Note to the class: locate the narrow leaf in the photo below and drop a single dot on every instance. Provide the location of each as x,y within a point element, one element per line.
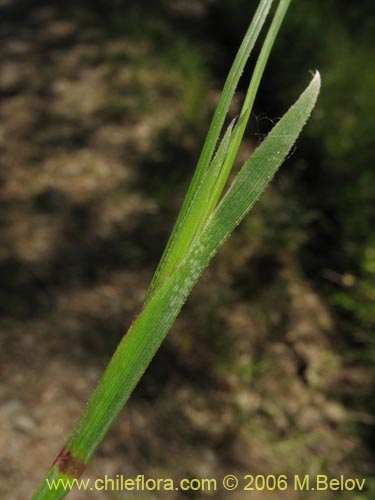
<point>250,96</point>
<point>212,138</point>
<point>144,337</point>
<point>196,217</point>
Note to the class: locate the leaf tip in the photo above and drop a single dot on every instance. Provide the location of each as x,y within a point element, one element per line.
<point>233,122</point>
<point>317,80</point>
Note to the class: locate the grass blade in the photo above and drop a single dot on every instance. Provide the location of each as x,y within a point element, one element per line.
<point>258,171</point>
<point>210,144</point>
<point>209,192</point>
<point>249,99</point>
<point>144,337</point>
<point>197,215</point>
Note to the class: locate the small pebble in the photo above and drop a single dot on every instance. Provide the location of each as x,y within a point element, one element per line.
<point>24,424</point>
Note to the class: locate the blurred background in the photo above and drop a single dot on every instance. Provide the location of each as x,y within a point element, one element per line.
<point>104,106</point>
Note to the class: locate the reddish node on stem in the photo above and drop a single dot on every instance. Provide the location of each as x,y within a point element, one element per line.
<point>68,464</point>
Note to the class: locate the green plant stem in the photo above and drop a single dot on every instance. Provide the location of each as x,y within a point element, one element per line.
<point>209,188</point>
<point>211,141</point>
<point>145,335</point>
